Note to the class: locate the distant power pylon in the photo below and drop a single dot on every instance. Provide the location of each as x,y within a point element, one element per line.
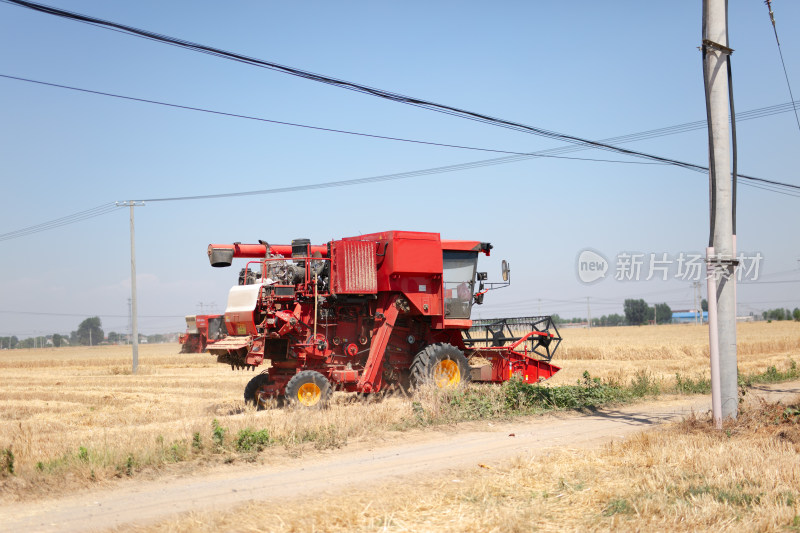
<point>210,306</point>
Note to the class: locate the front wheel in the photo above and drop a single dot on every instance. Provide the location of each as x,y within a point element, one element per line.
<point>309,389</point>
<point>441,364</point>
<point>254,394</point>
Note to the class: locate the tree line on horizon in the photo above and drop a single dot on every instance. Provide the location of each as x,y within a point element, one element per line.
<point>89,333</point>
<point>638,312</point>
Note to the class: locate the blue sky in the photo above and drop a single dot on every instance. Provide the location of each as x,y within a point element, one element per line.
<point>592,69</point>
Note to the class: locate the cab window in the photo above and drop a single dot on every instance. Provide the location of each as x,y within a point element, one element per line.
<point>458,271</point>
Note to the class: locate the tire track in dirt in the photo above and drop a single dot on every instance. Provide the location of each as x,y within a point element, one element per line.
<point>140,503</point>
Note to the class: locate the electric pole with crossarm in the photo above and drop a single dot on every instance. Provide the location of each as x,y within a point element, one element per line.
<point>721,262</point>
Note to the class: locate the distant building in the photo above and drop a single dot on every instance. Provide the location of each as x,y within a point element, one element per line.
<point>689,317</point>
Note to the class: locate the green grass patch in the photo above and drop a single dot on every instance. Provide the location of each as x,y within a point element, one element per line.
<point>736,495</point>
<point>6,462</point>
<point>590,393</point>
<point>516,397</point>
<point>250,440</point>
<point>218,433</point>
<point>686,385</point>
<point>771,375</point>
<point>618,506</point>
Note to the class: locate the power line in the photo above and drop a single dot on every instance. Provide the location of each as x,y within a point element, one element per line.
<point>585,143</point>
<point>650,134</point>
<point>41,313</point>
<point>769,282</point>
<point>765,184</point>
<point>306,126</point>
<point>780,52</point>
<point>682,128</point>
<point>757,113</point>
<point>62,221</point>
<point>770,189</point>
<point>102,209</point>
<point>768,185</point>
<point>372,91</point>
<point>471,115</point>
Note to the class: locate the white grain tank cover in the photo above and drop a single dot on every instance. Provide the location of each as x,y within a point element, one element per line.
<point>191,324</point>
<point>242,301</point>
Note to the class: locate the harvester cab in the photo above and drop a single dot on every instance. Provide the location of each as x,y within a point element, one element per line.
<point>365,313</point>
<point>201,330</point>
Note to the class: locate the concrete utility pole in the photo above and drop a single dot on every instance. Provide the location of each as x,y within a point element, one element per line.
<point>134,311</point>
<point>589,312</point>
<point>720,253</point>
<point>130,323</point>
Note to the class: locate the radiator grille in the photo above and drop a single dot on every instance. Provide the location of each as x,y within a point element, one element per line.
<point>353,269</point>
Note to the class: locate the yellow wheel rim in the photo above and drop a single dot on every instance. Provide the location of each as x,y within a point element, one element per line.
<point>308,394</point>
<point>446,374</point>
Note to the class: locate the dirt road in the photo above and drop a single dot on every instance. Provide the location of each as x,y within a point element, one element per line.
<point>431,452</point>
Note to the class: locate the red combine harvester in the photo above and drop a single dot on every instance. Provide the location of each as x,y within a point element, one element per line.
<point>201,330</point>
<point>365,313</point>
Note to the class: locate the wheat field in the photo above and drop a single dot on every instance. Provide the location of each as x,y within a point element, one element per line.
<point>76,416</point>
<point>669,349</point>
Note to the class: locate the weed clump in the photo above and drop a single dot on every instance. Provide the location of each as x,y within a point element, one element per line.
<point>771,375</point>
<point>685,385</point>
<point>250,440</point>
<point>589,393</point>
<point>6,463</point>
<point>218,433</point>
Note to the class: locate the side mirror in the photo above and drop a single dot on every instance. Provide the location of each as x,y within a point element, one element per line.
<point>506,269</point>
<point>479,298</point>
<point>481,276</point>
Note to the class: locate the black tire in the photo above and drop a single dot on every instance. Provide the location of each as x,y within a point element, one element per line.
<point>251,389</point>
<point>429,367</point>
<point>308,390</point>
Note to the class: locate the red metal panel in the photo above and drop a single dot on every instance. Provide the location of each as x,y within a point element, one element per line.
<point>507,362</point>
<point>467,246</point>
<point>202,323</point>
<point>372,378</point>
<point>345,376</point>
<point>415,253</point>
<point>471,246</point>
<point>353,267</point>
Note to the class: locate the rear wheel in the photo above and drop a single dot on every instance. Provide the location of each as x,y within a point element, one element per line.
<point>253,394</point>
<point>308,389</point>
<point>442,365</point>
